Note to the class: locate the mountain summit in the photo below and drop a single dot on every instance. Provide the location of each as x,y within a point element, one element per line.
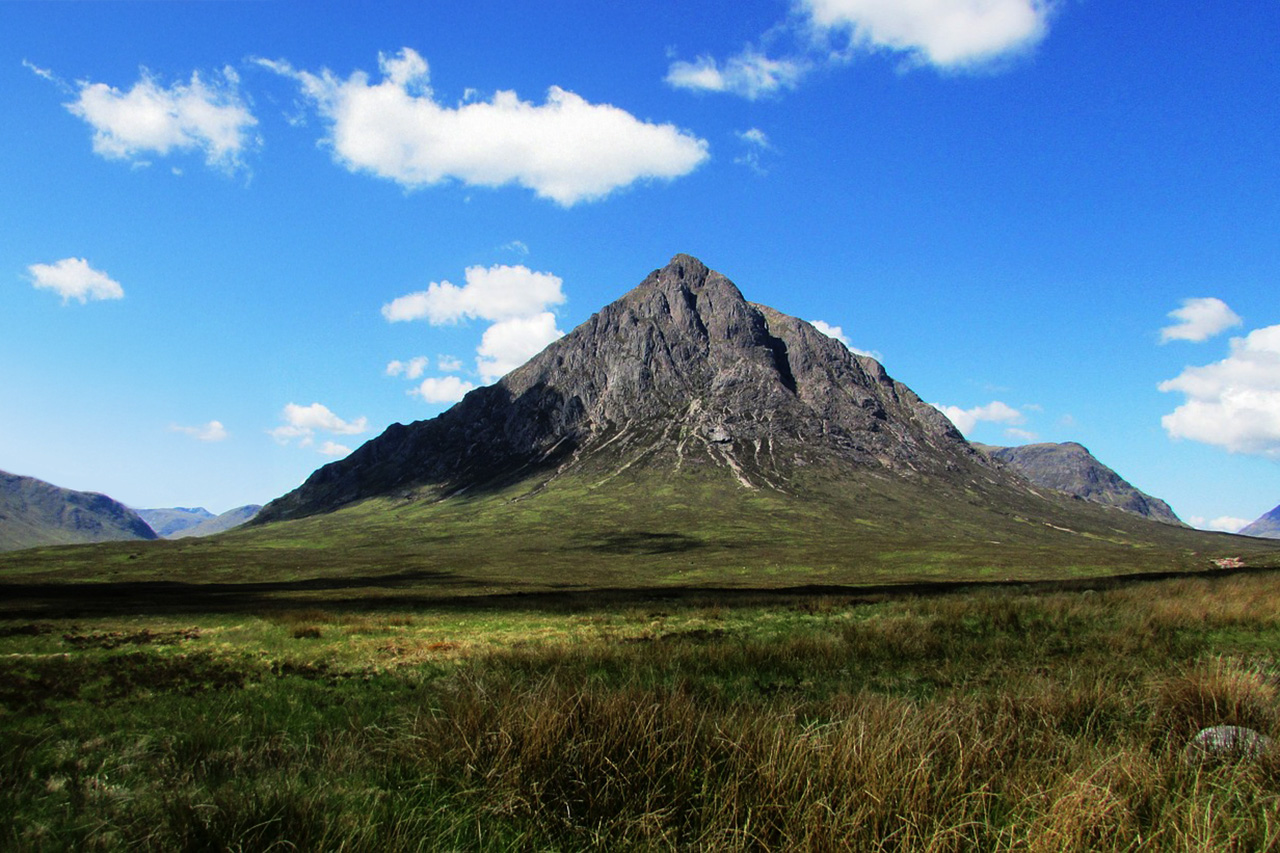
<point>682,371</point>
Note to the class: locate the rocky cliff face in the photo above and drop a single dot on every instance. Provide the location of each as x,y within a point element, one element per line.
<point>1071,468</point>
<point>682,370</point>
<point>1268,526</point>
<point>35,513</point>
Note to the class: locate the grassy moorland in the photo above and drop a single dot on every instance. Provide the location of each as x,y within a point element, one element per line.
<point>993,720</point>
<point>628,531</point>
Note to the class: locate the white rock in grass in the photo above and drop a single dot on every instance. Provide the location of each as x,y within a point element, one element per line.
<point>1225,743</point>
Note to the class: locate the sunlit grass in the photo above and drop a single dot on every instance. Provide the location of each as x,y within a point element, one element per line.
<point>995,721</point>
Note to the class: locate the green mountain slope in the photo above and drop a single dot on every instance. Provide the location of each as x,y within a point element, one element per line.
<point>35,513</point>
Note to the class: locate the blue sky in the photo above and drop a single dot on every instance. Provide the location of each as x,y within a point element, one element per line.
<point>242,238</point>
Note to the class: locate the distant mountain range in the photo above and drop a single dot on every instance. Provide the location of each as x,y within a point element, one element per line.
<point>1268,526</point>
<point>1071,468</point>
<point>35,513</point>
<point>182,522</point>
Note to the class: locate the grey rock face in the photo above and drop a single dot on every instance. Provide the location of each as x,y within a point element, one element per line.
<point>682,370</point>
<point>1071,468</point>
<point>1268,526</point>
<point>1225,743</point>
<point>35,513</point>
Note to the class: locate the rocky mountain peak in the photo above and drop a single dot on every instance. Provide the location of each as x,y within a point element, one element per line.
<point>681,370</point>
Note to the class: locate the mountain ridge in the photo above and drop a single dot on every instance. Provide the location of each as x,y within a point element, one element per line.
<point>36,513</point>
<point>1070,467</point>
<point>1266,526</point>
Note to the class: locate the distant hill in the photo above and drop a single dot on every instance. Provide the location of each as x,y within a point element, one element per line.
<point>1268,526</point>
<point>167,522</point>
<point>218,523</point>
<point>1071,468</point>
<point>35,513</point>
<point>180,522</point>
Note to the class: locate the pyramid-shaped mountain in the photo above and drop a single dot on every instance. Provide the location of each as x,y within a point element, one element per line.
<point>685,435</point>
<point>680,371</point>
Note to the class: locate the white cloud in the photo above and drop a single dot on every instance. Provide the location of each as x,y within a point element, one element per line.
<point>838,333</point>
<point>1233,403</point>
<point>1199,319</point>
<point>1223,523</point>
<point>45,74</point>
<point>757,143</point>
<point>566,149</point>
<point>73,278</point>
<point>212,431</point>
<point>332,448</point>
<point>942,33</point>
<point>513,299</point>
<point>750,74</point>
<point>946,34</point>
<point>302,423</point>
<point>411,369</point>
<point>150,119</point>
<point>510,343</point>
<point>448,363</point>
<point>442,389</point>
<point>994,412</point>
<point>1024,435</point>
<point>831,331</point>
<point>491,293</point>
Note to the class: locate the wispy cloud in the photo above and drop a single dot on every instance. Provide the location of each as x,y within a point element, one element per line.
<point>750,74</point>
<point>73,278</point>
<point>948,35</point>
<point>1199,319</point>
<point>212,431</point>
<point>154,120</point>
<point>994,412</point>
<point>301,423</point>
<point>838,333</point>
<point>411,369</point>
<point>566,149</point>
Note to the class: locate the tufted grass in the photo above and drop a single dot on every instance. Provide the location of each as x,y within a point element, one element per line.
<point>1006,720</point>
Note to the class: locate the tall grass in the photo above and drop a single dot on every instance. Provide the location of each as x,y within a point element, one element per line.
<point>985,722</point>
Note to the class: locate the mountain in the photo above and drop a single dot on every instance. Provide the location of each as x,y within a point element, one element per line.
<point>682,370</point>
<point>1268,526</point>
<point>219,523</point>
<point>1071,468</point>
<point>685,436</point>
<point>181,522</point>
<point>35,513</point>
<point>167,522</point>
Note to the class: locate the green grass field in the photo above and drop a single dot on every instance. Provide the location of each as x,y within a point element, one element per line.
<point>993,720</point>
<point>646,661</point>
<point>695,531</point>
